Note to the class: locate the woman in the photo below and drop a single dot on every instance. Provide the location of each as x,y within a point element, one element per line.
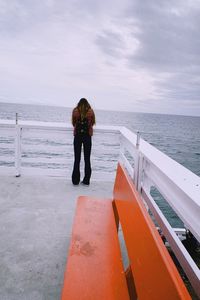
<point>83,119</point>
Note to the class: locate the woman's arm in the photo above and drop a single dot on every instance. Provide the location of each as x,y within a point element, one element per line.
<point>91,117</point>
<point>75,116</point>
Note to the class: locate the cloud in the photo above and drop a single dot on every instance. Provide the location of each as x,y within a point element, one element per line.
<point>111,43</point>
<point>168,35</point>
<point>169,48</point>
<point>124,54</point>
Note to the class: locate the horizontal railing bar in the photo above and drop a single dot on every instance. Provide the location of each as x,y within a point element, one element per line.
<point>46,160</point>
<point>180,230</point>
<point>56,126</point>
<point>7,124</point>
<point>126,163</point>
<point>129,146</point>
<point>6,146</point>
<point>129,135</point>
<point>63,151</point>
<point>59,149</point>
<point>7,159</point>
<point>61,160</point>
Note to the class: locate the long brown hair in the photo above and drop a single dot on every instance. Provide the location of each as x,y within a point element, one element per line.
<point>83,106</point>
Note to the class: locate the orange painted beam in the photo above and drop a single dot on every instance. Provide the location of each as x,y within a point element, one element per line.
<point>94,268</point>
<point>155,275</point>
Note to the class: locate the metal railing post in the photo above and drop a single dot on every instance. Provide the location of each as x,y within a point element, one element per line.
<point>17,148</point>
<point>121,149</point>
<point>137,161</point>
<point>123,159</point>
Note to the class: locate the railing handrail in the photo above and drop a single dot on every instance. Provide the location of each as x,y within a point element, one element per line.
<point>188,183</point>
<point>54,125</point>
<point>186,179</point>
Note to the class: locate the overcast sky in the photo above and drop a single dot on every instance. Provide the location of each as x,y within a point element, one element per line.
<point>129,55</point>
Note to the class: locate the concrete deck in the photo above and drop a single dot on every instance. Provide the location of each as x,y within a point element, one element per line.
<point>36,215</point>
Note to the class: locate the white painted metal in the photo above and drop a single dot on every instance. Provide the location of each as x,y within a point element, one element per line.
<point>29,134</point>
<point>180,231</point>
<point>18,150</point>
<point>6,159</point>
<point>124,161</point>
<point>179,186</point>
<point>6,146</point>
<point>44,160</point>
<point>127,146</point>
<point>137,162</point>
<point>138,140</point>
<point>16,118</point>
<point>7,123</point>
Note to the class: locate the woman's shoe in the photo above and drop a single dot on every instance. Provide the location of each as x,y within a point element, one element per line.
<point>75,182</point>
<point>85,183</point>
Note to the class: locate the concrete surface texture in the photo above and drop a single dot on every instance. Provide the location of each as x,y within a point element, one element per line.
<point>36,215</point>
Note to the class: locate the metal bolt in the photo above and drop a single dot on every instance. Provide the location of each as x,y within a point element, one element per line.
<point>16,118</point>
<point>138,139</point>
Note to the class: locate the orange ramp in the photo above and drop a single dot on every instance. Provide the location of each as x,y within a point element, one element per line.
<point>155,275</point>
<point>94,268</point>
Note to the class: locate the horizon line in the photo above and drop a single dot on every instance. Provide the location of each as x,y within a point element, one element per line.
<point>100,109</point>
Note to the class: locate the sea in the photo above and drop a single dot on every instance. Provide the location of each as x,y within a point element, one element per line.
<point>176,135</point>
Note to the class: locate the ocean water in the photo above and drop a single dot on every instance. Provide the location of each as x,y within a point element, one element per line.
<point>176,136</point>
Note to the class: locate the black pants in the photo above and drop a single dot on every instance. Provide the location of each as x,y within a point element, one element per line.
<point>86,141</point>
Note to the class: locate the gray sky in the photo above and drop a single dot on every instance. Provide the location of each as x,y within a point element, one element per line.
<point>123,55</point>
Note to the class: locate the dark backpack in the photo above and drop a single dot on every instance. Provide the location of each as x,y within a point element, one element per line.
<point>82,127</point>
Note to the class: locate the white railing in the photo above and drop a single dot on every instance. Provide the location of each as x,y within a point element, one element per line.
<point>47,149</point>
<point>147,166</point>
<point>179,186</point>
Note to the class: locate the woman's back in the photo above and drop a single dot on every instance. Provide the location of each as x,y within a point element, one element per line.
<point>87,119</point>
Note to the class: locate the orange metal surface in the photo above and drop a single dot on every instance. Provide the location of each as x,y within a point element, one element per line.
<point>154,272</point>
<point>94,268</point>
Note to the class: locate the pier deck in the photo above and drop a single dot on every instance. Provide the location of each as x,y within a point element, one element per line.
<point>36,215</point>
